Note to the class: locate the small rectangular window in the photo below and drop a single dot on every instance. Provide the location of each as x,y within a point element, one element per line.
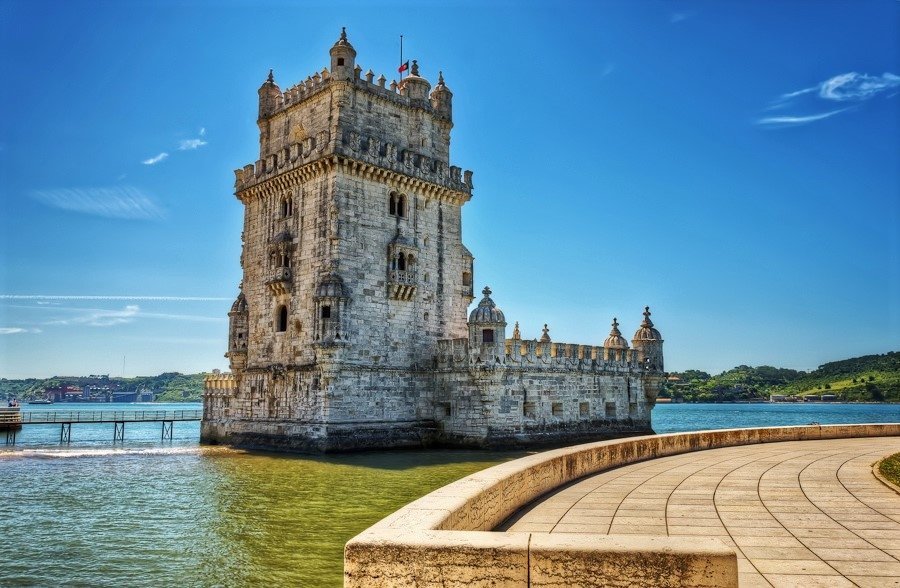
<point>528,409</point>
<point>467,279</point>
<point>584,409</point>
<point>557,409</point>
<point>610,410</point>
<point>340,61</point>
<point>326,311</point>
<point>487,336</point>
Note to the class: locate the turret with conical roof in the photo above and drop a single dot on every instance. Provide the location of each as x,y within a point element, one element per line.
<point>269,93</point>
<point>648,343</point>
<point>343,58</point>
<point>442,98</point>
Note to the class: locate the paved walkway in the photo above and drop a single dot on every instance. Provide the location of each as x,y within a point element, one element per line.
<point>802,513</point>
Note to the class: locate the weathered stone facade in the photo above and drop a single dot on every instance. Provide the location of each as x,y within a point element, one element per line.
<point>350,329</point>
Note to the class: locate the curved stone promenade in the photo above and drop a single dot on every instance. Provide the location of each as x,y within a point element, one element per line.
<point>798,513</point>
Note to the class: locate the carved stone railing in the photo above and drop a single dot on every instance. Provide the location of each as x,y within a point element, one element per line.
<point>280,281</point>
<point>402,284</point>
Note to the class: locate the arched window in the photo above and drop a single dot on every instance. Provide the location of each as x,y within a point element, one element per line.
<point>326,311</point>
<point>287,207</point>
<point>282,322</point>
<point>401,206</point>
<point>392,204</point>
<point>401,262</point>
<point>410,262</point>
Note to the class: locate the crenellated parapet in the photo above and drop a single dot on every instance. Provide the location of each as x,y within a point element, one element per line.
<point>383,155</point>
<point>219,384</point>
<point>459,354</point>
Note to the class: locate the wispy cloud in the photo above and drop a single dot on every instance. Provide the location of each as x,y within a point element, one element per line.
<point>856,86</point>
<point>189,144</point>
<point>113,297</point>
<point>114,202</point>
<point>851,87</point>
<point>156,159</point>
<point>101,318</point>
<point>677,17</point>
<point>16,330</point>
<point>797,120</point>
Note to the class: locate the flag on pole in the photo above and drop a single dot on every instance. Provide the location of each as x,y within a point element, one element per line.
<point>403,67</point>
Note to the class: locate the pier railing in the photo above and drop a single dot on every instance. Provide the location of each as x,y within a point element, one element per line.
<point>66,418</point>
<point>45,417</point>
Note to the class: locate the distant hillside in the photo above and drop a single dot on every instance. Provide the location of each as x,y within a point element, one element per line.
<point>864,379</point>
<point>167,387</point>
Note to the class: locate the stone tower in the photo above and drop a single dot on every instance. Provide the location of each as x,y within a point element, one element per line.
<point>353,262</point>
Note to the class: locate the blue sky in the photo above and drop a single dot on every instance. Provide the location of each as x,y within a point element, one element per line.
<point>735,165</point>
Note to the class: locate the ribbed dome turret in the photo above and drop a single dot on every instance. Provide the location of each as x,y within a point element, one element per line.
<point>240,304</point>
<point>331,286</point>
<point>646,332</point>
<point>487,311</point>
<point>615,339</point>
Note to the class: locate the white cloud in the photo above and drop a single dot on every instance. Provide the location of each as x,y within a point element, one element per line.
<point>856,86</point>
<point>13,330</point>
<point>797,120</point>
<point>189,144</point>
<point>114,202</point>
<point>202,131</point>
<point>846,87</point>
<point>102,318</point>
<point>156,159</point>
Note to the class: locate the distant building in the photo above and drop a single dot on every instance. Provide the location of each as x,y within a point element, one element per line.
<point>350,329</point>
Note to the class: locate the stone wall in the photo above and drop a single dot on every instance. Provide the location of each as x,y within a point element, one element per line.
<point>445,538</point>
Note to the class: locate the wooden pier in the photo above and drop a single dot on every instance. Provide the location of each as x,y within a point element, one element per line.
<point>11,421</point>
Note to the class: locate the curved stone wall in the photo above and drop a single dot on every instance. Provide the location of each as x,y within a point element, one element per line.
<point>445,538</point>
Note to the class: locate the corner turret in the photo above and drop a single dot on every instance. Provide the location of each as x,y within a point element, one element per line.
<point>269,94</point>
<point>648,343</point>
<point>238,332</point>
<point>414,86</point>
<point>343,58</point>
<point>442,98</point>
<point>615,345</point>
<point>487,329</point>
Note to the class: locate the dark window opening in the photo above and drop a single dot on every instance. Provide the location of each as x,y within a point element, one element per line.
<point>392,204</point>
<point>282,319</point>
<point>401,262</point>
<point>326,311</point>
<point>340,61</point>
<point>467,279</point>
<point>487,336</point>
<point>401,206</point>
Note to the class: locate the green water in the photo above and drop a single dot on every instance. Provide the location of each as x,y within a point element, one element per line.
<point>148,513</point>
<point>192,516</point>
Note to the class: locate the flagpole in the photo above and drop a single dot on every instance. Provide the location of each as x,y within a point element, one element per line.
<point>401,57</point>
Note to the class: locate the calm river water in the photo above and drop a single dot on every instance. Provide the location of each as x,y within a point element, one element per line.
<point>148,513</point>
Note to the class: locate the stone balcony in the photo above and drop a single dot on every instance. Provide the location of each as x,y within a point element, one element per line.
<point>280,280</point>
<point>402,284</point>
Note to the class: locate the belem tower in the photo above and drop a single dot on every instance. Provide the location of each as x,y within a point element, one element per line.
<point>351,331</point>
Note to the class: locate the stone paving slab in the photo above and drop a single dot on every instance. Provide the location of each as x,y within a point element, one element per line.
<point>799,513</point>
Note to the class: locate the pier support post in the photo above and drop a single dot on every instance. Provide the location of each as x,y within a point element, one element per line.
<point>167,428</point>
<point>10,436</point>
<point>119,431</point>
<point>65,433</point>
